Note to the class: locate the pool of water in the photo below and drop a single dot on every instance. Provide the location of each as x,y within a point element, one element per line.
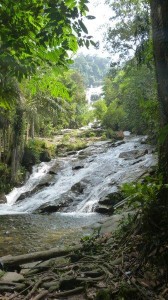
<point>30,232</point>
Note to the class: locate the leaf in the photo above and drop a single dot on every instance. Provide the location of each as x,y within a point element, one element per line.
<point>82,25</point>
<point>90,17</point>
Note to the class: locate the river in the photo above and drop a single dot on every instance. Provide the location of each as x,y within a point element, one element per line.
<point>74,184</point>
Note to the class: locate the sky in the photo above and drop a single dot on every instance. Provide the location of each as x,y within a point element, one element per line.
<point>97,26</point>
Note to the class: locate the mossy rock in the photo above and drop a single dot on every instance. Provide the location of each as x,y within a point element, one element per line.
<point>29,158</point>
<point>45,156</point>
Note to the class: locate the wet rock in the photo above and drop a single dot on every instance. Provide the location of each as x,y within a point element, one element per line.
<point>54,169</point>
<point>118,143</point>
<point>104,209</point>
<point>78,187</point>
<point>52,207</point>
<point>144,140</point>
<point>82,156</point>
<point>44,182</point>
<point>71,153</point>
<point>112,198</point>
<point>3,198</point>
<point>77,167</point>
<point>142,153</point>
<point>137,161</point>
<point>48,208</point>
<point>133,154</point>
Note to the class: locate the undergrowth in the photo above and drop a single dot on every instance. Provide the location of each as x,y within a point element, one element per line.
<point>148,199</point>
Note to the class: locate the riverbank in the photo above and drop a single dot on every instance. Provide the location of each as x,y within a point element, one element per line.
<point>91,178</point>
<point>106,265</point>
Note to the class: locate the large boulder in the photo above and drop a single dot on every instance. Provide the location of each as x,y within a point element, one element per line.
<point>48,208</point>
<point>55,206</point>
<point>133,154</point>
<point>78,187</point>
<point>111,199</point>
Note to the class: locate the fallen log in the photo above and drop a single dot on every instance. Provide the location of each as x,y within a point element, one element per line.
<point>8,261</point>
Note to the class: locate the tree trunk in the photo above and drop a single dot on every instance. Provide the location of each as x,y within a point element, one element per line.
<point>17,143</point>
<point>0,145</point>
<point>27,132</point>
<point>32,128</point>
<point>159,15</point>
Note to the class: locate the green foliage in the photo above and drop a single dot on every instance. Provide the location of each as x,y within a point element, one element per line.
<point>130,32</point>
<point>141,194</point>
<point>100,109</point>
<point>77,145</point>
<point>92,68</point>
<point>35,151</point>
<point>131,99</point>
<point>55,101</point>
<point>34,148</point>
<point>5,172</point>
<point>89,242</point>
<point>110,134</point>
<point>66,138</point>
<point>40,31</point>
<point>114,116</point>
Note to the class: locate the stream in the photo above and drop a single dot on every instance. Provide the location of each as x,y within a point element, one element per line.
<point>60,197</point>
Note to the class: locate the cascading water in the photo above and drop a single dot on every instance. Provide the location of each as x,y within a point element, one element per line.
<point>71,186</point>
<point>100,167</point>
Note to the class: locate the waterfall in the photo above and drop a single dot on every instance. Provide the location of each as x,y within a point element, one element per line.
<point>81,179</point>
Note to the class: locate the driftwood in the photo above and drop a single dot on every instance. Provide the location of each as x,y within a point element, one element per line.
<point>41,255</point>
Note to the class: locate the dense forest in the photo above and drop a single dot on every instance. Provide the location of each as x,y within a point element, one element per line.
<point>43,92</point>
<point>93,68</point>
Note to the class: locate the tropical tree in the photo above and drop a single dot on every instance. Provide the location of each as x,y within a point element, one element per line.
<point>100,109</point>
<point>37,31</point>
<point>35,34</point>
<point>159,11</point>
<point>130,95</point>
<point>130,34</point>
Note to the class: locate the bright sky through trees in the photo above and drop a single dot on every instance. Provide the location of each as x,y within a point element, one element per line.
<point>97,27</point>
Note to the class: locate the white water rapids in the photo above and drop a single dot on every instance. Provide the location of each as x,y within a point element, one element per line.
<point>97,169</point>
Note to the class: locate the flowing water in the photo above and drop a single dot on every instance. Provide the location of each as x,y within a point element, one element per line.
<point>77,182</point>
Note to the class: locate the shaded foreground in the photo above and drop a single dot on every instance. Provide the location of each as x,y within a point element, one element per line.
<point>104,266</point>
